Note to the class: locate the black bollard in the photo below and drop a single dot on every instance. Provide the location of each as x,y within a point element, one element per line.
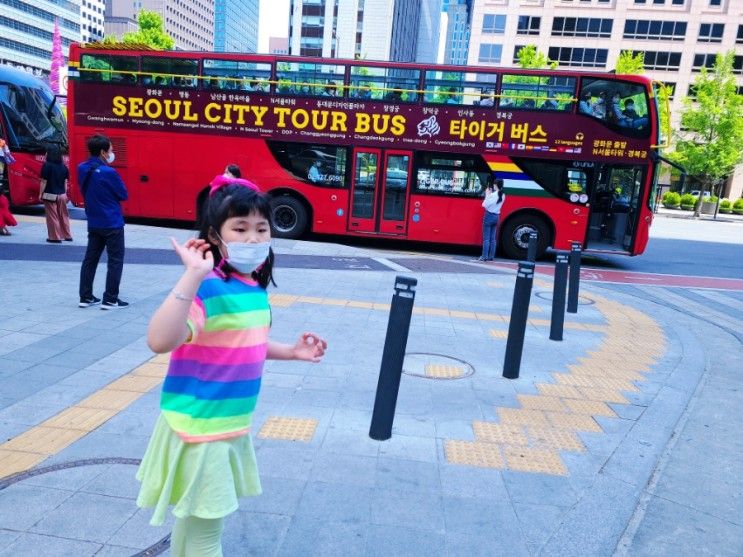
<point>531,250</point>
<point>558,296</point>
<point>574,284</point>
<point>517,325</point>
<point>393,355</point>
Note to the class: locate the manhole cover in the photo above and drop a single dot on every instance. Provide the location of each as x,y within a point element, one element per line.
<point>155,549</point>
<point>582,300</point>
<point>435,366</point>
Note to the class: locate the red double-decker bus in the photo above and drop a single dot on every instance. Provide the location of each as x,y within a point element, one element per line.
<point>355,147</point>
<point>30,120</point>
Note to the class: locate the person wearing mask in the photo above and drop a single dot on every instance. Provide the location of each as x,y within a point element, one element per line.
<point>494,198</point>
<point>585,106</point>
<point>53,193</point>
<point>103,191</point>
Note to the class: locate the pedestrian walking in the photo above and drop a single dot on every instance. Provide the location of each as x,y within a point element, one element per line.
<point>492,203</point>
<point>6,217</point>
<point>103,191</point>
<point>215,320</point>
<point>53,193</point>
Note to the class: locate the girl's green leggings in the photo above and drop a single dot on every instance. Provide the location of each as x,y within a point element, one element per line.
<point>197,537</point>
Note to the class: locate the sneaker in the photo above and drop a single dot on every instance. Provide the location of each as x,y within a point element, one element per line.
<point>118,304</point>
<point>87,302</point>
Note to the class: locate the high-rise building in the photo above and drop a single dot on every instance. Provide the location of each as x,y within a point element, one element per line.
<point>91,20</point>
<point>459,13</point>
<point>189,22</point>
<point>372,29</point>
<point>236,25</point>
<point>677,37</point>
<point>26,32</point>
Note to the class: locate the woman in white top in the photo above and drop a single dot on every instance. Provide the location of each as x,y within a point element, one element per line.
<point>494,198</point>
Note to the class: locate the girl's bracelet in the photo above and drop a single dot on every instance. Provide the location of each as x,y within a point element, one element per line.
<point>179,296</point>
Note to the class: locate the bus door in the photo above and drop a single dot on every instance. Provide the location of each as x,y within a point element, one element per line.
<point>614,207</point>
<point>151,179</point>
<point>380,191</point>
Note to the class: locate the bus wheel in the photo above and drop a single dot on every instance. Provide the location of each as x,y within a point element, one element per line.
<point>289,217</point>
<point>515,236</point>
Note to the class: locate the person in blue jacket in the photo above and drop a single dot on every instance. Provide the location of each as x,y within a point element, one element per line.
<point>103,191</point>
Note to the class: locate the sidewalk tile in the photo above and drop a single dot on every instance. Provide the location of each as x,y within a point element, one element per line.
<point>28,545</point>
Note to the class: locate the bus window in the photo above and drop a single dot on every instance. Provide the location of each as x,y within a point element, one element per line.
<point>389,84</point>
<point>568,180</point>
<point>108,68</point>
<point>321,165</point>
<point>621,105</point>
<point>442,87</point>
<point>309,79</point>
<point>462,175</point>
<point>159,71</point>
<point>537,92</point>
<point>233,74</point>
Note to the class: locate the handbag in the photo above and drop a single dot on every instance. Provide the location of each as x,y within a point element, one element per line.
<point>49,196</point>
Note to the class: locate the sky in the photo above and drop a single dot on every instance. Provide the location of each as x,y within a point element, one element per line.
<point>273,21</point>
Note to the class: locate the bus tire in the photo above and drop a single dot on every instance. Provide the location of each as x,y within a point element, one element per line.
<point>289,216</point>
<point>514,237</point>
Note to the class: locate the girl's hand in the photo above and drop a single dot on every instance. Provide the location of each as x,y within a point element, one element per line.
<point>196,255</point>
<point>310,348</point>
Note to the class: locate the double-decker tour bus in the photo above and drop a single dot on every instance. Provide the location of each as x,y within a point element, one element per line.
<point>396,150</point>
<point>30,120</point>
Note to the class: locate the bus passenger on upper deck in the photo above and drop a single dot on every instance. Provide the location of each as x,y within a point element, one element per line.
<point>451,97</point>
<point>363,92</point>
<point>550,103</point>
<point>529,103</point>
<point>486,99</point>
<point>395,95</point>
<point>599,107</point>
<point>625,119</point>
<point>330,90</point>
<point>584,105</point>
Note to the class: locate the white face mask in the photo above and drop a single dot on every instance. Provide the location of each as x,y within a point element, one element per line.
<point>111,157</point>
<point>246,258</point>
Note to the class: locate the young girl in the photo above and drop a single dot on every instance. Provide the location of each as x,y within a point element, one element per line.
<point>492,204</point>
<point>216,320</point>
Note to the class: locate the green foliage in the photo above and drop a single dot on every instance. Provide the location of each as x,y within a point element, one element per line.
<point>150,33</point>
<point>629,63</point>
<point>663,96</point>
<point>671,199</point>
<point>725,204</point>
<point>712,143</point>
<point>688,199</point>
<point>530,58</point>
<point>738,204</point>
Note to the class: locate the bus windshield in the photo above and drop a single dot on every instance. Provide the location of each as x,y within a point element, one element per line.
<point>33,117</point>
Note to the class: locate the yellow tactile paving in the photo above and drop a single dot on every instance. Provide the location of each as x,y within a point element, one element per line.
<point>561,439</point>
<point>12,462</point>
<point>560,391</point>
<point>605,395</point>
<point>134,383</point>
<point>43,440</point>
<point>77,417</point>
<point>522,416</point>
<point>524,459</point>
<point>441,371</point>
<point>499,433</point>
<point>289,429</point>
<point>537,402</point>
<point>110,400</point>
<point>576,422</point>
<point>473,453</point>
<point>499,333</point>
<point>495,284</point>
<point>589,407</point>
<point>152,370</point>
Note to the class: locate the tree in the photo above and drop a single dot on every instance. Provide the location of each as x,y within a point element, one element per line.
<point>710,144</point>
<point>530,58</point>
<point>150,33</point>
<point>629,63</point>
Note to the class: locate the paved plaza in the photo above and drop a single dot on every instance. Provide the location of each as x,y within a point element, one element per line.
<point>622,439</point>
